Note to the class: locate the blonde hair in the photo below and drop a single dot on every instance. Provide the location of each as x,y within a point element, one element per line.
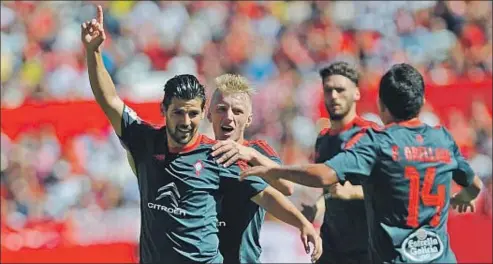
<point>233,83</point>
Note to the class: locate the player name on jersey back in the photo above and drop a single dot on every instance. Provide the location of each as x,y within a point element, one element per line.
<point>425,154</point>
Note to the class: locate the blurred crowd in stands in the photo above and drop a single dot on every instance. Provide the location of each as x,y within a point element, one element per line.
<point>278,46</point>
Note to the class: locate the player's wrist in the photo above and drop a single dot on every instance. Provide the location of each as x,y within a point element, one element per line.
<point>253,157</point>
<point>304,224</point>
<point>274,173</point>
<point>93,51</point>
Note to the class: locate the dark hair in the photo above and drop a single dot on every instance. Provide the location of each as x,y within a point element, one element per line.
<point>340,68</point>
<point>185,87</point>
<point>402,91</point>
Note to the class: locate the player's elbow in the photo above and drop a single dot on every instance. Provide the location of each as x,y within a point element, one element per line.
<point>323,175</point>
<point>325,181</point>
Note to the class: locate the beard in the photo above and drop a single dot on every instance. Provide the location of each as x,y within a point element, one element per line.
<point>180,137</point>
<point>337,115</point>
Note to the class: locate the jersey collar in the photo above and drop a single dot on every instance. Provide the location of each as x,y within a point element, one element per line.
<point>415,122</point>
<point>356,120</point>
<point>189,147</point>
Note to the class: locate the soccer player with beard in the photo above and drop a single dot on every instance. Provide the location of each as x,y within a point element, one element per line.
<point>230,113</point>
<point>344,230</point>
<point>406,170</point>
<point>180,184</point>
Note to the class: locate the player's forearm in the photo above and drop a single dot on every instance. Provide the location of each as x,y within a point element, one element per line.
<point>104,90</point>
<point>280,207</point>
<point>284,186</point>
<point>312,175</point>
<point>474,189</point>
<point>320,207</point>
<point>101,84</point>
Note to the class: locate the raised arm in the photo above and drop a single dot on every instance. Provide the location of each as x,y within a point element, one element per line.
<point>92,36</point>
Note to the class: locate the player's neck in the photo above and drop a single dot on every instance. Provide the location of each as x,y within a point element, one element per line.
<point>240,140</point>
<point>174,146</point>
<point>342,123</point>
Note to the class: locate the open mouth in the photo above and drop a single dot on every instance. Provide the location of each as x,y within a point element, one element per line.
<point>227,129</point>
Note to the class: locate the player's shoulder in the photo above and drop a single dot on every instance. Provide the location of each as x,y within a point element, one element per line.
<point>370,134</point>
<point>441,129</point>
<point>324,132</point>
<point>366,124</point>
<point>442,133</point>
<point>263,147</point>
<point>367,127</point>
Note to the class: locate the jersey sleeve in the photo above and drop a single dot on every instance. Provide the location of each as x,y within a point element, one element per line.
<point>464,174</point>
<point>249,187</point>
<point>358,157</point>
<point>265,149</point>
<point>134,131</point>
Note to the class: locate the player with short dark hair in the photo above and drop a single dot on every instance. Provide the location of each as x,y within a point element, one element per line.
<point>230,113</point>
<point>406,170</point>
<point>180,184</point>
<point>344,231</point>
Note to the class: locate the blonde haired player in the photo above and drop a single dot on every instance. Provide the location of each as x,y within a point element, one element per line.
<point>230,112</point>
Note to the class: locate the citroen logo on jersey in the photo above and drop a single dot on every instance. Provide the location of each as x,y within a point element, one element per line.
<point>169,190</point>
<point>169,193</point>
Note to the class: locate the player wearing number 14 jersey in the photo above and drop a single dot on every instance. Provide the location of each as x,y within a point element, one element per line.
<point>406,171</point>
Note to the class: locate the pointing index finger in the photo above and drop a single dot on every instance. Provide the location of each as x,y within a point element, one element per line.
<point>100,15</point>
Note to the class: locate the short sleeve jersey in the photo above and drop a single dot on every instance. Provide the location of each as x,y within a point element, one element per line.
<point>344,229</point>
<point>406,171</point>
<point>180,191</point>
<point>240,219</point>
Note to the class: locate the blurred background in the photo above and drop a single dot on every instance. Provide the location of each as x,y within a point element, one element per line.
<point>67,192</point>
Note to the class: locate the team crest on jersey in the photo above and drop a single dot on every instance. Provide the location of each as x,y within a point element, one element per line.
<point>422,246</point>
<point>198,167</point>
<point>419,139</point>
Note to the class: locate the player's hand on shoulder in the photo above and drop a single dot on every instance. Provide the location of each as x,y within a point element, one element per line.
<point>461,202</point>
<point>343,192</point>
<point>228,152</point>
<point>92,32</point>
